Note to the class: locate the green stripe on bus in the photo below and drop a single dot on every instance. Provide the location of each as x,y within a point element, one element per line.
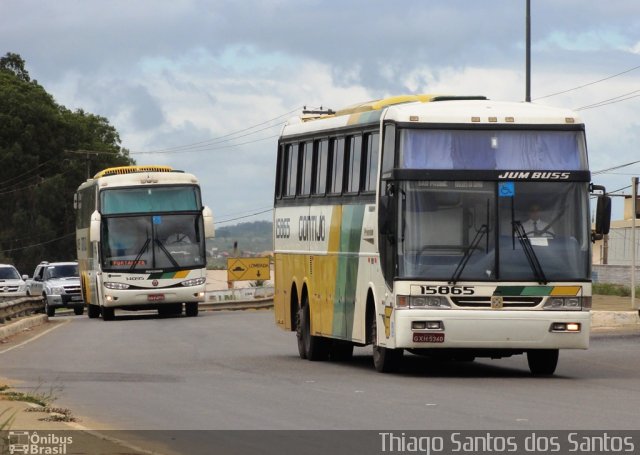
<point>347,273</point>
<point>529,291</point>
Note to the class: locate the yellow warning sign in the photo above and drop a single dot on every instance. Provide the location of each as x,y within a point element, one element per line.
<point>241,269</point>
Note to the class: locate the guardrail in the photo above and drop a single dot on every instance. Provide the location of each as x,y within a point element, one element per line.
<point>239,299</point>
<point>21,306</point>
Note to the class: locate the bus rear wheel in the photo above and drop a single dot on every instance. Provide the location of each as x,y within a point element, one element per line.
<point>385,360</point>
<point>314,347</point>
<point>542,362</point>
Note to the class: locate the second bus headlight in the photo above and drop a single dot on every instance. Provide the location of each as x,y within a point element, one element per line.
<point>116,286</point>
<point>563,303</point>
<point>194,282</point>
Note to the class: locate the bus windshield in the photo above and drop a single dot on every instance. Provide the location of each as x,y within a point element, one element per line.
<point>475,230</point>
<point>149,199</point>
<point>135,243</point>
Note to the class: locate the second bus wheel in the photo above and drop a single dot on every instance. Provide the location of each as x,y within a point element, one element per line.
<point>191,309</point>
<point>315,347</point>
<point>93,311</point>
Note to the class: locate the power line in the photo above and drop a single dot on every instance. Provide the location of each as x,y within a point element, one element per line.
<point>243,217</point>
<point>207,149</point>
<point>225,137</point>
<point>620,166</point>
<point>588,84</point>
<point>38,244</point>
<point>614,100</point>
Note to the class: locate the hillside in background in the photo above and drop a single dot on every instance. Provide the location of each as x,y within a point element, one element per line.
<point>254,239</point>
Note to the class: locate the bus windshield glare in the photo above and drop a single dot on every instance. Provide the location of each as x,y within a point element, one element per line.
<point>492,149</point>
<point>474,230</point>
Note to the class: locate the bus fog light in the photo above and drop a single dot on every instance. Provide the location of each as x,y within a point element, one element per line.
<point>434,325</point>
<point>108,298</point>
<point>558,327</point>
<point>418,325</point>
<point>573,327</point>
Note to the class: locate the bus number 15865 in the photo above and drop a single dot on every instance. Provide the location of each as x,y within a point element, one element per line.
<point>448,290</point>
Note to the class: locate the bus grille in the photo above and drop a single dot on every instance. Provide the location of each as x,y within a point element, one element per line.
<point>508,302</point>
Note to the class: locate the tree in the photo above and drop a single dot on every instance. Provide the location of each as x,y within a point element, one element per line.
<point>44,149</point>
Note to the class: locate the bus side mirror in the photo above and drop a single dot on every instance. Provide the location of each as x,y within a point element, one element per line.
<point>94,227</point>
<point>207,217</point>
<point>603,217</point>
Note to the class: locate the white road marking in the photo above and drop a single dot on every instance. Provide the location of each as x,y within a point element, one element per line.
<point>35,337</point>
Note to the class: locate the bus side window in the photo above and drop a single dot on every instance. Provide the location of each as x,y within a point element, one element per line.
<point>291,169</point>
<point>355,160</point>
<point>279,172</point>
<point>322,158</point>
<point>337,165</point>
<point>306,162</point>
<point>371,162</point>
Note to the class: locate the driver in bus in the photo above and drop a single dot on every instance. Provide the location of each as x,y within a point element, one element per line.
<point>535,226</point>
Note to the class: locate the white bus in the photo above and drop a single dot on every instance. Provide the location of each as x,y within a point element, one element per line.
<point>449,227</point>
<point>140,236</point>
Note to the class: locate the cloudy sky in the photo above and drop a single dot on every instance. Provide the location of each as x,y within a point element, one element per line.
<point>204,85</point>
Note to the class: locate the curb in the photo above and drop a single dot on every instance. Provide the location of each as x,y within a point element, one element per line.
<point>18,326</point>
<point>253,304</point>
<point>612,319</point>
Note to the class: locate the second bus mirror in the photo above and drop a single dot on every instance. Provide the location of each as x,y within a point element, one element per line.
<point>94,227</point>
<point>603,215</point>
<point>209,228</point>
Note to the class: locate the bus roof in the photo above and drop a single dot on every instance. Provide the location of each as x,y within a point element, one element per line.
<point>434,109</point>
<point>132,169</point>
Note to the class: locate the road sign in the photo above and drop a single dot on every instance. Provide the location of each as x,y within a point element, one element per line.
<point>241,269</point>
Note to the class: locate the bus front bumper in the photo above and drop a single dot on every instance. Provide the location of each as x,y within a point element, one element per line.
<point>492,329</point>
<point>152,297</point>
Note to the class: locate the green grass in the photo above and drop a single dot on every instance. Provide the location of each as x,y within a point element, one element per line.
<point>613,289</point>
<point>36,397</point>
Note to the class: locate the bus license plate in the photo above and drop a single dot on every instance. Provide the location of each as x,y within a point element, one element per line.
<point>428,337</point>
<point>155,297</point>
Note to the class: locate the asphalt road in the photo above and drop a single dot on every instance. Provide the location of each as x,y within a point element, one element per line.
<point>236,370</point>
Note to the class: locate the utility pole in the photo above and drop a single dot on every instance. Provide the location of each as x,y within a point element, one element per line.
<point>528,53</point>
<point>634,212</point>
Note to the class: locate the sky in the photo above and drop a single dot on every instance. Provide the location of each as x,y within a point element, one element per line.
<point>204,86</point>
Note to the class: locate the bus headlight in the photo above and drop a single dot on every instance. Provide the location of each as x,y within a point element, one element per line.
<point>194,282</point>
<point>116,286</point>
<point>423,301</point>
<point>563,303</point>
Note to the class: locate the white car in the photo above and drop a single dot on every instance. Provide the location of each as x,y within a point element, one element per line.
<point>11,283</point>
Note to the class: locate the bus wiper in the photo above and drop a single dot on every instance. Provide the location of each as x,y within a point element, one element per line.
<point>529,252</point>
<point>467,254</point>
<point>140,253</point>
<point>166,252</point>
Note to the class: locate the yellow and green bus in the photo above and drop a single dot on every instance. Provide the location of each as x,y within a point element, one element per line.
<point>140,235</point>
<point>405,224</point>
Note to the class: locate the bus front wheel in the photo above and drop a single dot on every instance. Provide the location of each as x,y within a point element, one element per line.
<point>191,309</point>
<point>93,311</point>
<point>108,314</point>
<point>542,362</point>
<point>385,360</point>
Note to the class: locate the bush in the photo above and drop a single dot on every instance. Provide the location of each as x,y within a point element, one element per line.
<point>613,289</point>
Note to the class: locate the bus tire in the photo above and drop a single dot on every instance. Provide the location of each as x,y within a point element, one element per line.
<point>302,352</point>
<point>542,362</point>
<point>108,314</point>
<point>315,347</point>
<point>93,311</point>
<point>385,360</point>
<point>341,351</point>
<point>191,309</point>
